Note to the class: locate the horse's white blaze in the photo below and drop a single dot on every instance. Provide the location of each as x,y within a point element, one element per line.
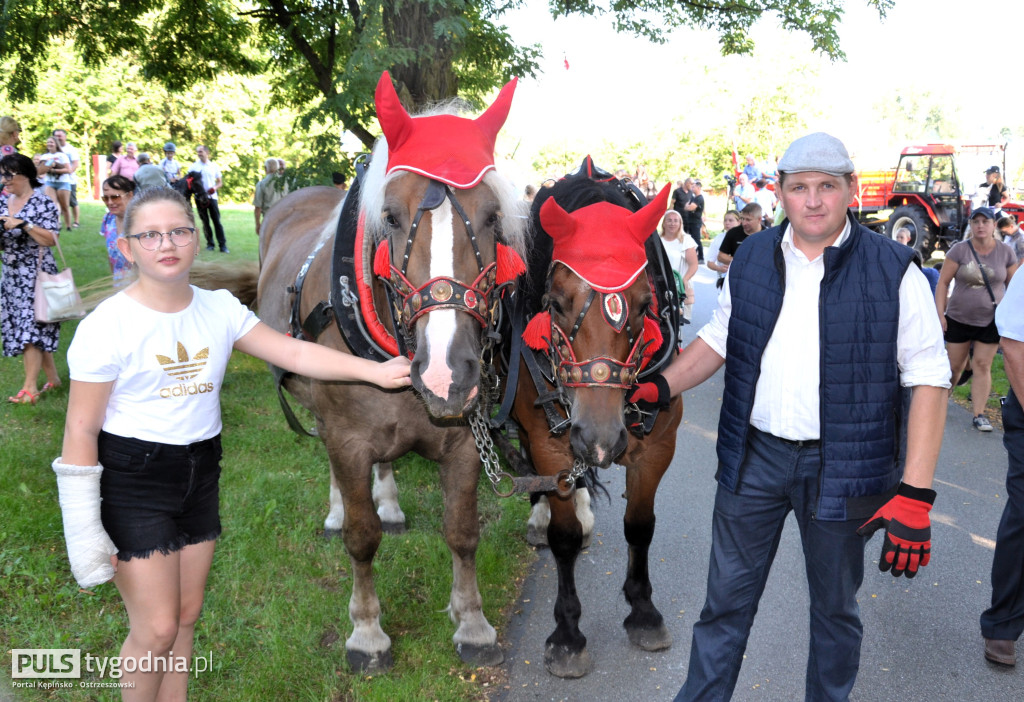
<point>440,324</point>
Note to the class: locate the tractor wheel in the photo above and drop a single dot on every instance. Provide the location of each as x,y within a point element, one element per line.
<point>922,238</point>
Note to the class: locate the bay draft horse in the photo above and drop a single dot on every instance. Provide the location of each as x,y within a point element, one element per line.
<point>595,343</point>
<point>439,248</point>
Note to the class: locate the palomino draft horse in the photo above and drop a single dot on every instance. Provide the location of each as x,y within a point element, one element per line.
<point>447,238</point>
<point>594,328</point>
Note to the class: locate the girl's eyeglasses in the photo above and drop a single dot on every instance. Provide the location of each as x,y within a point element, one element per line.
<point>111,198</point>
<point>151,241</point>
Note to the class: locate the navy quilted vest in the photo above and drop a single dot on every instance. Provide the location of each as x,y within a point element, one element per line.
<point>861,407</point>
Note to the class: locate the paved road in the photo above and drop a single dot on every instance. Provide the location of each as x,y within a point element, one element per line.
<point>921,642</point>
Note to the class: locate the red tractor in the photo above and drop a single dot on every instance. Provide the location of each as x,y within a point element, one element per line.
<point>925,194</point>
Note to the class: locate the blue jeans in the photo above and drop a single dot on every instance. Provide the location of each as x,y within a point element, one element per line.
<point>777,477</point>
<point>1005,618</point>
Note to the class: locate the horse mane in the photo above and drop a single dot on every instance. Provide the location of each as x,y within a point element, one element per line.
<point>514,225</point>
<point>571,193</point>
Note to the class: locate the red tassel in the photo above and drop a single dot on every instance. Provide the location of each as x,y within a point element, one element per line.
<point>382,260</point>
<point>510,264</point>
<point>538,332</point>
<point>652,339</point>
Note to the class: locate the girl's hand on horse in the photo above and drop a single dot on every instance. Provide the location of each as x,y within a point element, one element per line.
<point>394,373</point>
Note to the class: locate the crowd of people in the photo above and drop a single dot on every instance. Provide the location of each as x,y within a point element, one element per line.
<point>786,444</point>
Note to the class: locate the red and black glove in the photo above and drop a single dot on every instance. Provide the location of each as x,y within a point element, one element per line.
<point>908,531</point>
<point>654,393</point>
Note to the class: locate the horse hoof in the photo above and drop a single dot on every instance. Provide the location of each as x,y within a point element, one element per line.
<point>362,662</point>
<point>657,639</point>
<point>565,663</point>
<point>393,527</point>
<point>489,655</point>
<point>537,537</point>
<point>587,540</point>
<point>332,534</point>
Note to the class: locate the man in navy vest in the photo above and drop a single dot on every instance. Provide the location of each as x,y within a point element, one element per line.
<point>822,326</point>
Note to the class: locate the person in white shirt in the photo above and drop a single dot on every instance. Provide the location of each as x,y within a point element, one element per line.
<point>138,476</point>
<point>764,197</point>
<point>72,153</point>
<point>1003,622</point>
<point>682,254</point>
<point>211,181</point>
<point>822,326</point>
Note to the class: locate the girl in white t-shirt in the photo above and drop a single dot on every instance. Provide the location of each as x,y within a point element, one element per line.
<point>143,431</point>
<point>682,253</point>
<point>730,220</point>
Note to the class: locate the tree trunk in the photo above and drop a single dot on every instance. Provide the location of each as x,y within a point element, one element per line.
<point>429,78</point>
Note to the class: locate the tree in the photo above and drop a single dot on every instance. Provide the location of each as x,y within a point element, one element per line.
<point>730,19</point>
<point>328,54</point>
<point>97,107</point>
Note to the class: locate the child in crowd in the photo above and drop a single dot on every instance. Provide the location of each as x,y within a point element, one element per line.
<point>729,221</point>
<point>143,432</point>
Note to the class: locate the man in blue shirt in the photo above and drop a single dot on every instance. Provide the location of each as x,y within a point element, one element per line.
<point>752,170</point>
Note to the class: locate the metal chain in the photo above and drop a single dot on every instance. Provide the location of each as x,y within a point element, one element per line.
<point>578,469</point>
<point>479,422</point>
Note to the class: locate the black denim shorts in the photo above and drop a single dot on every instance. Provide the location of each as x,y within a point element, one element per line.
<point>158,497</point>
<point>959,333</point>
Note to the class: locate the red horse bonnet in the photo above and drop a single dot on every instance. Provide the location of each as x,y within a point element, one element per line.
<point>603,243</point>
<point>454,150</point>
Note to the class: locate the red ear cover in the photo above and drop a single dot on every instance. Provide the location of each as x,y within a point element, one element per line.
<point>645,221</point>
<point>510,264</point>
<point>493,118</point>
<point>382,260</point>
<point>652,339</point>
<point>538,332</point>
<point>394,120</point>
<point>558,223</point>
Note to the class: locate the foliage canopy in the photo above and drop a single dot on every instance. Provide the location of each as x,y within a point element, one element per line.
<point>326,55</point>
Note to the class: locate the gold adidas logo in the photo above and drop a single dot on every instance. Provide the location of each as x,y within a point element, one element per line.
<point>184,368</point>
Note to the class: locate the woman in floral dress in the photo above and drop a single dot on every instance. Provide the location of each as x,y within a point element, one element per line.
<point>28,224</point>
<point>117,193</point>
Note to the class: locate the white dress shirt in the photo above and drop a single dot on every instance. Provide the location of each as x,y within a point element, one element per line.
<point>787,399</point>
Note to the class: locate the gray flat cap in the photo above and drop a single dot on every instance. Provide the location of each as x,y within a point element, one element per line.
<point>819,152</point>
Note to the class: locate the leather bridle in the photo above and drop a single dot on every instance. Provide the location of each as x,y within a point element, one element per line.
<point>479,299</point>
<point>601,371</point>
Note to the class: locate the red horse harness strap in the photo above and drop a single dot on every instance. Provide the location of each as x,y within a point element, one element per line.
<point>446,293</point>
<point>601,371</point>
<point>477,299</point>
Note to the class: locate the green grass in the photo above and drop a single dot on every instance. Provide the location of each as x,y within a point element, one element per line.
<point>276,611</point>
<point>1000,388</point>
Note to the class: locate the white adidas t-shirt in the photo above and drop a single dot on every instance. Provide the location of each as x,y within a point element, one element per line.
<point>168,368</point>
